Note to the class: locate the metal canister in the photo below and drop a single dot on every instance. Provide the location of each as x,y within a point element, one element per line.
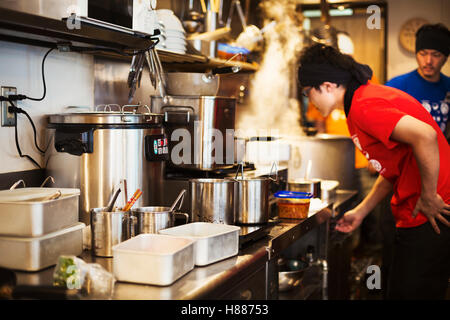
<point>109,229</point>
<point>213,200</point>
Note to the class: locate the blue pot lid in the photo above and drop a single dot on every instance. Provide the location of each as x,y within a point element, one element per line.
<point>293,195</point>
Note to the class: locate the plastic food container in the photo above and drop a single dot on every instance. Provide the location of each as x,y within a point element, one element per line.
<point>208,238</point>
<point>154,259</point>
<point>293,205</point>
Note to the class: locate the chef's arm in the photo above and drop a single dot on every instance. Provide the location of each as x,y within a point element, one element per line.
<point>380,189</point>
<point>423,140</point>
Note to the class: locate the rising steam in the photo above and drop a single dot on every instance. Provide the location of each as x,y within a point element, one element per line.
<point>273,104</point>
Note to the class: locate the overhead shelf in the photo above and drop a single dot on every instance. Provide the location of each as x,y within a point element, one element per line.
<point>21,27</point>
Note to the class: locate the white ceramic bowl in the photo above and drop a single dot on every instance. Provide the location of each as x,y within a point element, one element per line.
<point>170,20</point>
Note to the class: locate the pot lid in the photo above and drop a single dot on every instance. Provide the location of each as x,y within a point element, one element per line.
<point>105,118</point>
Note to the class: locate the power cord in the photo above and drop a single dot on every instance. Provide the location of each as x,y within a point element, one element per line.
<point>16,110</point>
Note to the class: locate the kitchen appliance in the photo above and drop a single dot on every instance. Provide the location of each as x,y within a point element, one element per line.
<point>154,259</point>
<point>208,237</point>
<point>205,126</point>
<point>94,151</point>
<point>109,229</point>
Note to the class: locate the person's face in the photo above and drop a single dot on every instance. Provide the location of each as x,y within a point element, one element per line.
<point>430,62</point>
<point>326,99</point>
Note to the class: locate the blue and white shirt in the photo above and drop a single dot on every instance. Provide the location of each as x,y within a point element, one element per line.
<point>432,95</point>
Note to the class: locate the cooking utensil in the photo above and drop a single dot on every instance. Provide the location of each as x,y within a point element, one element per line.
<point>154,259</point>
<point>111,203</point>
<point>153,219</point>
<point>252,198</point>
<point>110,228</point>
<point>208,237</point>
<point>213,200</point>
<point>178,199</point>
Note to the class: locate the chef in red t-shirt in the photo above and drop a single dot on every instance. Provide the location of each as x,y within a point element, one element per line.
<point>403,142</point>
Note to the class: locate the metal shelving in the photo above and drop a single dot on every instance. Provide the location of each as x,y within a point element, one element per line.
<point>36,30</point>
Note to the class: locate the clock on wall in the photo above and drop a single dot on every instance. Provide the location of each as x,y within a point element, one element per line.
<point>408,33</point>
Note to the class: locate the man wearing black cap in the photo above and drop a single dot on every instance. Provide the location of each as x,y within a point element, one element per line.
<point>409,151</point>
<point>427,84</point>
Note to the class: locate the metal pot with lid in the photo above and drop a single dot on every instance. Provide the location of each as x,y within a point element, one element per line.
<point>253,197</point>
<point>94,151</point>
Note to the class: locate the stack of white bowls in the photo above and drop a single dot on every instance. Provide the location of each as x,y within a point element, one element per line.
<point>173,36</point>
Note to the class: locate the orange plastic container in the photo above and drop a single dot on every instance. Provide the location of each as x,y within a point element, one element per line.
<point>293,205</point>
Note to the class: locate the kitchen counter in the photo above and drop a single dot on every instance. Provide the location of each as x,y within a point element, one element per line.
<point>228,278</point>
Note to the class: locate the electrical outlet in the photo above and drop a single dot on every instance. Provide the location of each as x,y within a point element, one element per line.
<point>7,117</point>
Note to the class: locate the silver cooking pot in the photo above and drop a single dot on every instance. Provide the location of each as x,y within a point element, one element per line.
<point>253,198</point>
<point>153,219</point>
<point>213,200</point>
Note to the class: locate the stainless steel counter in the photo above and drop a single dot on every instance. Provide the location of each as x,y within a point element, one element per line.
<point>224,279</point>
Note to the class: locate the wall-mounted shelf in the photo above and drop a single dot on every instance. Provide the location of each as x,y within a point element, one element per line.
<point>42,31</point>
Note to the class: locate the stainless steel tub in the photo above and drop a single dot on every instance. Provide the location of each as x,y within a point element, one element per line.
<point>33,254</point>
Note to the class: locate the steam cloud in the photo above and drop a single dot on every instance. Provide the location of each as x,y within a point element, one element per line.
<point>272,103</point>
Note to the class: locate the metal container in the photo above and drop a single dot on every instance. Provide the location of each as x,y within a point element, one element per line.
<point>328,189</point>
<point>213,200</point>
<point>36,253</point>
<point>25,212</point>
<point>109,229</point>
<point>208,237</point>
<point>95,151</point>
<point>252,198</point>
<point>154,259</point>
<point>153,219</point>
<point>205,124</point>
<point>312,186</point>
<point>332,158</point>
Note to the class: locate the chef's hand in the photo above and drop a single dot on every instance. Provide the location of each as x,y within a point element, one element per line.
<point>432,207</point>
<point>350,221</point>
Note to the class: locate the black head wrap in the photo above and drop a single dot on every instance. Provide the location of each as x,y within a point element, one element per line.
<point>314,74</point>
<point>433,38</point>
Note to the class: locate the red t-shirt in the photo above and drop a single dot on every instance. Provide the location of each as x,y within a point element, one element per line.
<point>374,113</point>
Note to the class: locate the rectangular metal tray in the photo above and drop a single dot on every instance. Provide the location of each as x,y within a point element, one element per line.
<point>36,253</point>
<point>213,241</point>
<point>22,215</point>
<point>154,259</point>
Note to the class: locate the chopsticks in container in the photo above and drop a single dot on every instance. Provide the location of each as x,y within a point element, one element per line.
<point>133,200</point>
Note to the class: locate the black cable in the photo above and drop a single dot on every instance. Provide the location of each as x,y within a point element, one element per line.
<point>43,78</point>
<point>15,110</point>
